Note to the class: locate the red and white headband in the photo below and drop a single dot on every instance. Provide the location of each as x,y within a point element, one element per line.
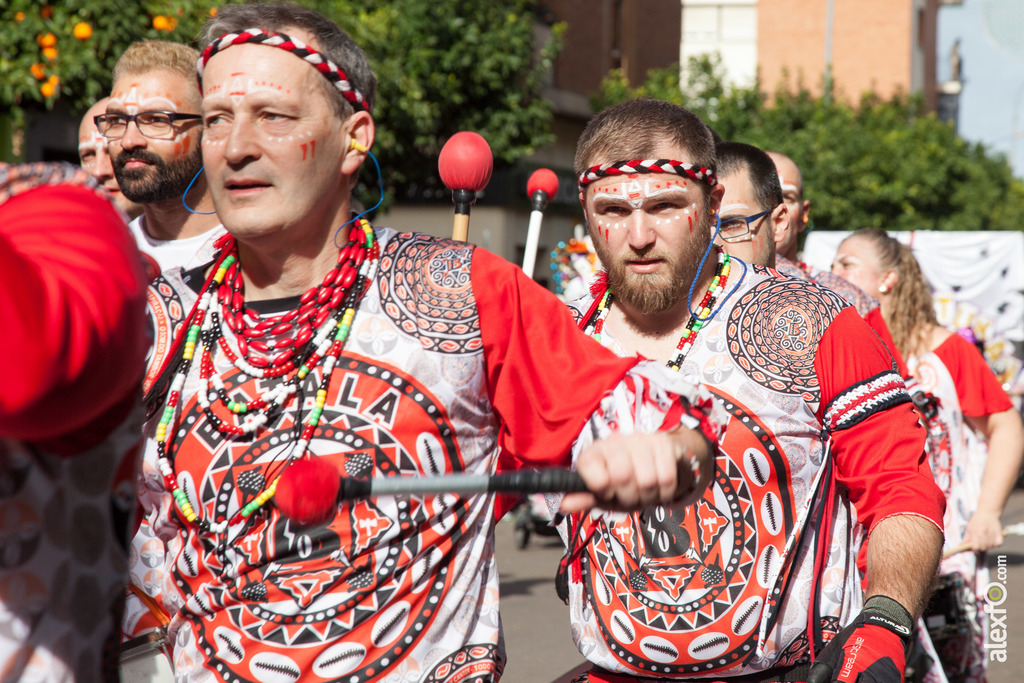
<point>648,166</point>
<point>320,62</point>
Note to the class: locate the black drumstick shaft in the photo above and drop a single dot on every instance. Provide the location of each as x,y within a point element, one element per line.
<point>521,481</point>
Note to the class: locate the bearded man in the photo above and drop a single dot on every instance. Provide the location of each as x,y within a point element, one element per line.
<point>154,132</point>
<point>754,578</point>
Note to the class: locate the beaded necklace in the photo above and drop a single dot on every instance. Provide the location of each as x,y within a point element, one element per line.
<point>705,311</point>
<point>322,323</point>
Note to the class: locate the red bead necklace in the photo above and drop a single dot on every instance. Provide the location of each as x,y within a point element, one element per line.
<point>321,324</point>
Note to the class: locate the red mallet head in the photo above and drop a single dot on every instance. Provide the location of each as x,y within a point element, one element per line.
<point>543,180</point>
<point>307,492</point>
<point>465,162</point>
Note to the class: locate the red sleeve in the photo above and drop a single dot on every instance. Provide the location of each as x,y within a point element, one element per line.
<point>72,295</point>
<point>544,376</point>
<point>977,387</point>
<point>877,440</point>
<point>877,322</point>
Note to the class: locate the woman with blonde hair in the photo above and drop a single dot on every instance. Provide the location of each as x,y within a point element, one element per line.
<point>977,459</point>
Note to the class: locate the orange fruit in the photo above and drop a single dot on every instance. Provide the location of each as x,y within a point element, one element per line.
<point>37,71</point>
<point>161,23</point>
<point>213,11</point>
<point>82,31</point>
<point>50,53</point>
<point>47,89</point>
<point>53,80</point>
<point>19,17</point>
<point>48,40</point>
<point>46,12</point>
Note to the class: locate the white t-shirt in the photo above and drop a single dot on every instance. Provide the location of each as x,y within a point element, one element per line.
<point>186,253</point>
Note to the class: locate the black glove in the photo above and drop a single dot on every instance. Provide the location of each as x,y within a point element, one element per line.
<point>872,649</point>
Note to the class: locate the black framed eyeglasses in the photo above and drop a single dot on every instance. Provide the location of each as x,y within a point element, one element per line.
<point>735,228</point>
<point>158,125</point>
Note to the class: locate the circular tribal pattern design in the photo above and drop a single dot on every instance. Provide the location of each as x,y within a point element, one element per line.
<point>424,287</point>
<point>283,590</point>
<point>664,615</point>
<point>682,591</point>
<point>773,333</point>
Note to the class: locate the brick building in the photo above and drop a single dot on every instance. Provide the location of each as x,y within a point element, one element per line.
<point>883,46</point>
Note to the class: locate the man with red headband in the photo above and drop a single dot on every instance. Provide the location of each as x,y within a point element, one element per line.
<point>317,341</point>
<point>72,298</point>
<point>756,580</point>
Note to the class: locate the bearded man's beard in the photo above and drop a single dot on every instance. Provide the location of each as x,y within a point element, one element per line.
<point>655,292</point>
<point>159,182</point>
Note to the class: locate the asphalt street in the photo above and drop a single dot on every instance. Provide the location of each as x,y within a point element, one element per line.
<point>540,648</point>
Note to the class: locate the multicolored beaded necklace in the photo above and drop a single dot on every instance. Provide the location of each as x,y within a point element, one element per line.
<point>321,322</point>
<point>705,311</point>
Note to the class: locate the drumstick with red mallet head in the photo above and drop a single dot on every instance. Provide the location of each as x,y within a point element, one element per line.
<point>309,490</point>
<point>541,187</point>
<point>465,165</point>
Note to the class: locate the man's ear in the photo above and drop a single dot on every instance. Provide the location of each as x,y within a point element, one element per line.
<point>779,221</point>
<point>359,129</point>
<point>715,198</point>
<point>806,214</point>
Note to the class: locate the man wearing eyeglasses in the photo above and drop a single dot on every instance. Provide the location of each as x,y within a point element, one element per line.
<point>154,133</point>
<point>753,211</point>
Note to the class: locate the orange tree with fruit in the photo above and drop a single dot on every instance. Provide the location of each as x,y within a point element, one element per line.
<point>64,51</point>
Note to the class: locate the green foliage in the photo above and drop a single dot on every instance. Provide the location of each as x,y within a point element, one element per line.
<point>448,66</point>
<point>442,67</point>
<point>884,163</point>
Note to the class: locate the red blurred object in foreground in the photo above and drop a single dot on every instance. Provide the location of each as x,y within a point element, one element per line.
<point>307,492</point>
<point>543,179</point>
<point>465,162</point>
